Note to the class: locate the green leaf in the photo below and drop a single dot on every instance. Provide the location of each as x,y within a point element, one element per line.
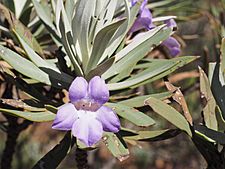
<point>27,68</point>
<point>116,146</point>
<point>169,113</point>
<point>139,100</point>
<point>21,7</point>
<point>24,66</point>
<point>131,114</point>
<point>18,27</point>
<point>68,48</point>
<point>219,137</point>
<point>159,4</point>
<point>128,57</point>
<point>130,15</point>
<point>35,58</point>
<point>218,87</point>
<point>32,116</point>
<point>42,12</point>
<point>61,14</point>
<point>25,15</point>
<point>51,69</point>
<point>162,18</point>
<point>207,149</point>
<point>220,120</point>
<point>103,16</point>
<point>55,156</point>
<point>125,132</point>
<point>30,90</point>
<point>100,69</point>
<point>69,9</point>
<point>156,135</point>
<point>51,108</point>
<point>101,41</point>
<point>110,11</point>
<point>210,107</point>
<point>156,71</point>
<point>222,50</point>
<point>80,26</point>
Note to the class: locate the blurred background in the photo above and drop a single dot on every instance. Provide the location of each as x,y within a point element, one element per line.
<point>199,33</point>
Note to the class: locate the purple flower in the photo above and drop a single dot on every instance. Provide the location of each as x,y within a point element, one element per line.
<point>85,115</point>
<point>144,19</point>
<point>144,3</point>
<point>171,23</point>
<point>172,45</point>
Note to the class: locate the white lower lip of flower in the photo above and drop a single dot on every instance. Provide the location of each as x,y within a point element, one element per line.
<point>85,113</point>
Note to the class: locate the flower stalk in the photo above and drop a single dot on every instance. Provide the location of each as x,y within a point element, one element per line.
<point>81,159</point>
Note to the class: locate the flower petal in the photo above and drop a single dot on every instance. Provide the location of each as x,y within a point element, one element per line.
<point>172,45</point>
<point>98,90</point>
<point>133,2</point>
<point>78,89</point>
<point>144,20</point>
<point>171,23</point>
<point>65,117</point>
<point>88,130</point>
<point>109,119</point>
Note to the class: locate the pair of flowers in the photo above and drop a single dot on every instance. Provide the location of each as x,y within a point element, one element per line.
<point>144,21</point>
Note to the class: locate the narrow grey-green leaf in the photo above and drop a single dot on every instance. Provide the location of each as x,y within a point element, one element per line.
<point>80,26</point>
<point>101,41</point>
<point>68,47</point>
<point>210,107</point>
<point>49,68</point>
<point>169,113</point>
<point>69,8</point>
<point>24,66</point>
<point>18,27</point>
<point>156,135</point>
<point>222,50</point>
<point>42,13</point>
<point>139,100</point>
<point>130,15</point>
<point>219,137</point>
<point>116,146</point>
<point>100,69</point>
<point>34,57</point>
<point>156,71</point>
<point>131,114</point>
<point>218,86</point>
<point>220,120</point>
<point>129,56</point>
<point>32,116</point>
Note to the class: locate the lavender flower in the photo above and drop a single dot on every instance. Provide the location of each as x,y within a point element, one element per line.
<point>171,23</point>
<point>85,115</point>
<point>144,21</point>
<point>144,3</point>
<point>171,43</point>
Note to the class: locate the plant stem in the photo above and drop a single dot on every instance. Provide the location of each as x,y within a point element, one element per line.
<point>81,159</point>
<point>10,144</point>
<point>13,131</point>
